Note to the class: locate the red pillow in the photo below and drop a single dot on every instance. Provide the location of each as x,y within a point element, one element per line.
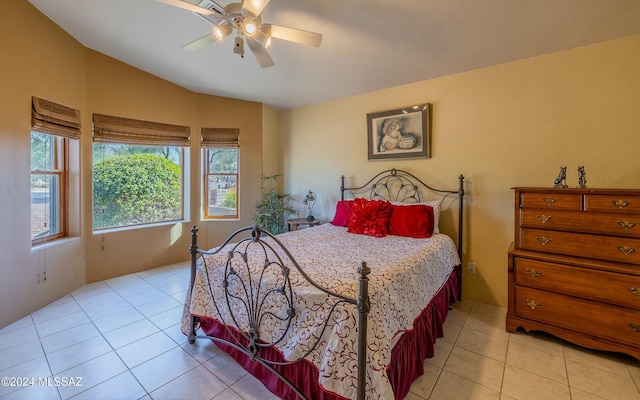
<point>414,221</point>
<point>343,213</point>
<point>369,217</point>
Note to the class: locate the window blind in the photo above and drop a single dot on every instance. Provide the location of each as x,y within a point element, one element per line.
<point>220,138</point>
<point>55,119</point>
<point>110,129</point>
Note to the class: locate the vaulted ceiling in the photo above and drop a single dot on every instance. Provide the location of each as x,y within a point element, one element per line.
<point>367,44</point>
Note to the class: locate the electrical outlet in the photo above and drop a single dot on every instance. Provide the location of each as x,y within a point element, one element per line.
<point>471,267</point>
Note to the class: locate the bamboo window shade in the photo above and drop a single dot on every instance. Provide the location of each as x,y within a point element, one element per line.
<point>55,119</point>
<point>110,129</point>
<point>220,138</point>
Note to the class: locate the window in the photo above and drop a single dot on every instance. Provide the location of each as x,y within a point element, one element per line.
<point>52,127</point>
<point>48,187</point>
<point>221,156</point>
<point>138,172</point>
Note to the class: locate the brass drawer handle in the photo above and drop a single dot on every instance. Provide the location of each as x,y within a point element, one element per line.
<point>635,291</point>
<point>635,327</point>
<point>620,203</point>
<point>626,250</point>
<point>626,224</point>
<point>543,218</point>
<point>549,200</point>
<point>532,303</point>
<point>533,272</point>
<point>544,240</point>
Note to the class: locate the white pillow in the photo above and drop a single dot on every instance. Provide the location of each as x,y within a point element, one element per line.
<point>435,204</point>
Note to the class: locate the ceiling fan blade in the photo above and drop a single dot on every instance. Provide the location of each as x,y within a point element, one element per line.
<point>199,43</point>
<point>295,35</point>
<point>260,53</point>
<point>255,7</point>
<point>190,7</point>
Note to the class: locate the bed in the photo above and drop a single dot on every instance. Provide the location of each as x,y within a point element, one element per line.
<point>332,312</point>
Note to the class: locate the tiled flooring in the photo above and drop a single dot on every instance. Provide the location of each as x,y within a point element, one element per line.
<point>122,337</point>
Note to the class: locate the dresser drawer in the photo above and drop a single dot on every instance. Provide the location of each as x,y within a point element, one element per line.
<point>584,317</point>
<point>600,222</point>
<point>621,249</point>
<point>550,201</point>
<point>612,203</point>
<point>609,287</point>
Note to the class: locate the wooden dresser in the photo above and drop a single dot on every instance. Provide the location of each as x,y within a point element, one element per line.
<point>574,268</point>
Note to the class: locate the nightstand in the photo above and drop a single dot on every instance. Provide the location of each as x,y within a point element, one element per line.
<point>292,224</point>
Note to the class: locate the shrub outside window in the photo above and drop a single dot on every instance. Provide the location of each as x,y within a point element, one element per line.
<point>136,185</point>
<point>138,176</point>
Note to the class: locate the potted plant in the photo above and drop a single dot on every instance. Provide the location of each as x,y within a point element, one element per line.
<point>272,209</point>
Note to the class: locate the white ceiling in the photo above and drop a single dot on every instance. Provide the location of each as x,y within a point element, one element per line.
<point>367,44</point>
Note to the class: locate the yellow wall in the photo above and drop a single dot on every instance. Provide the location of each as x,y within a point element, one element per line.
<point>271,142</point>
<point>149,98</point>
<point>509,125</point>
<point>227,113</point>
<point>40,59</point>
<point>114,88</point>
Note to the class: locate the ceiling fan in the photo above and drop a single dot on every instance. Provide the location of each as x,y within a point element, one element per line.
<point>244,19</point>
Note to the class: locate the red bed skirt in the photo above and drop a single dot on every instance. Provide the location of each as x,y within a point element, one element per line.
<point>407,356</point>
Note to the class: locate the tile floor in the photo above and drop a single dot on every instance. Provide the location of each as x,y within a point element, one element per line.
<point>122,337</point>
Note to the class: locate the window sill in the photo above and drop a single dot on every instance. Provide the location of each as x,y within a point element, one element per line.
<point>55,242</point>
<point>135,227</point>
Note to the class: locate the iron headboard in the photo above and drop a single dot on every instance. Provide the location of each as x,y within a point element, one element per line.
<point>402,186</point>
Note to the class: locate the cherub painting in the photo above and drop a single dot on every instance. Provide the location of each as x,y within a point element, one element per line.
<point>393,139</point>
<point>399,133</point>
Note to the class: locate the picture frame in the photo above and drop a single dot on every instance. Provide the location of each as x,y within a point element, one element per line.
<point>400,133</point>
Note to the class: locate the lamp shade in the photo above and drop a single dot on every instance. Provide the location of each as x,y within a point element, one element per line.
<point>221,30</point>
<point>249,27</point>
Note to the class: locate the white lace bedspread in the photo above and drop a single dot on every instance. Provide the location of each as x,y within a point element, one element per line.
<point>405,274</point>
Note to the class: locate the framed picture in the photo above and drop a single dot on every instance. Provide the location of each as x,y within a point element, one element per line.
<point>401,133</point>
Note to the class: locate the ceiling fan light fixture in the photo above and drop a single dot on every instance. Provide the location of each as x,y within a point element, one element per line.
<point>243,18</point>
<point>249,27</point>
<point>263,38</point>
<point>222,30</point>
<point>250,24</point>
